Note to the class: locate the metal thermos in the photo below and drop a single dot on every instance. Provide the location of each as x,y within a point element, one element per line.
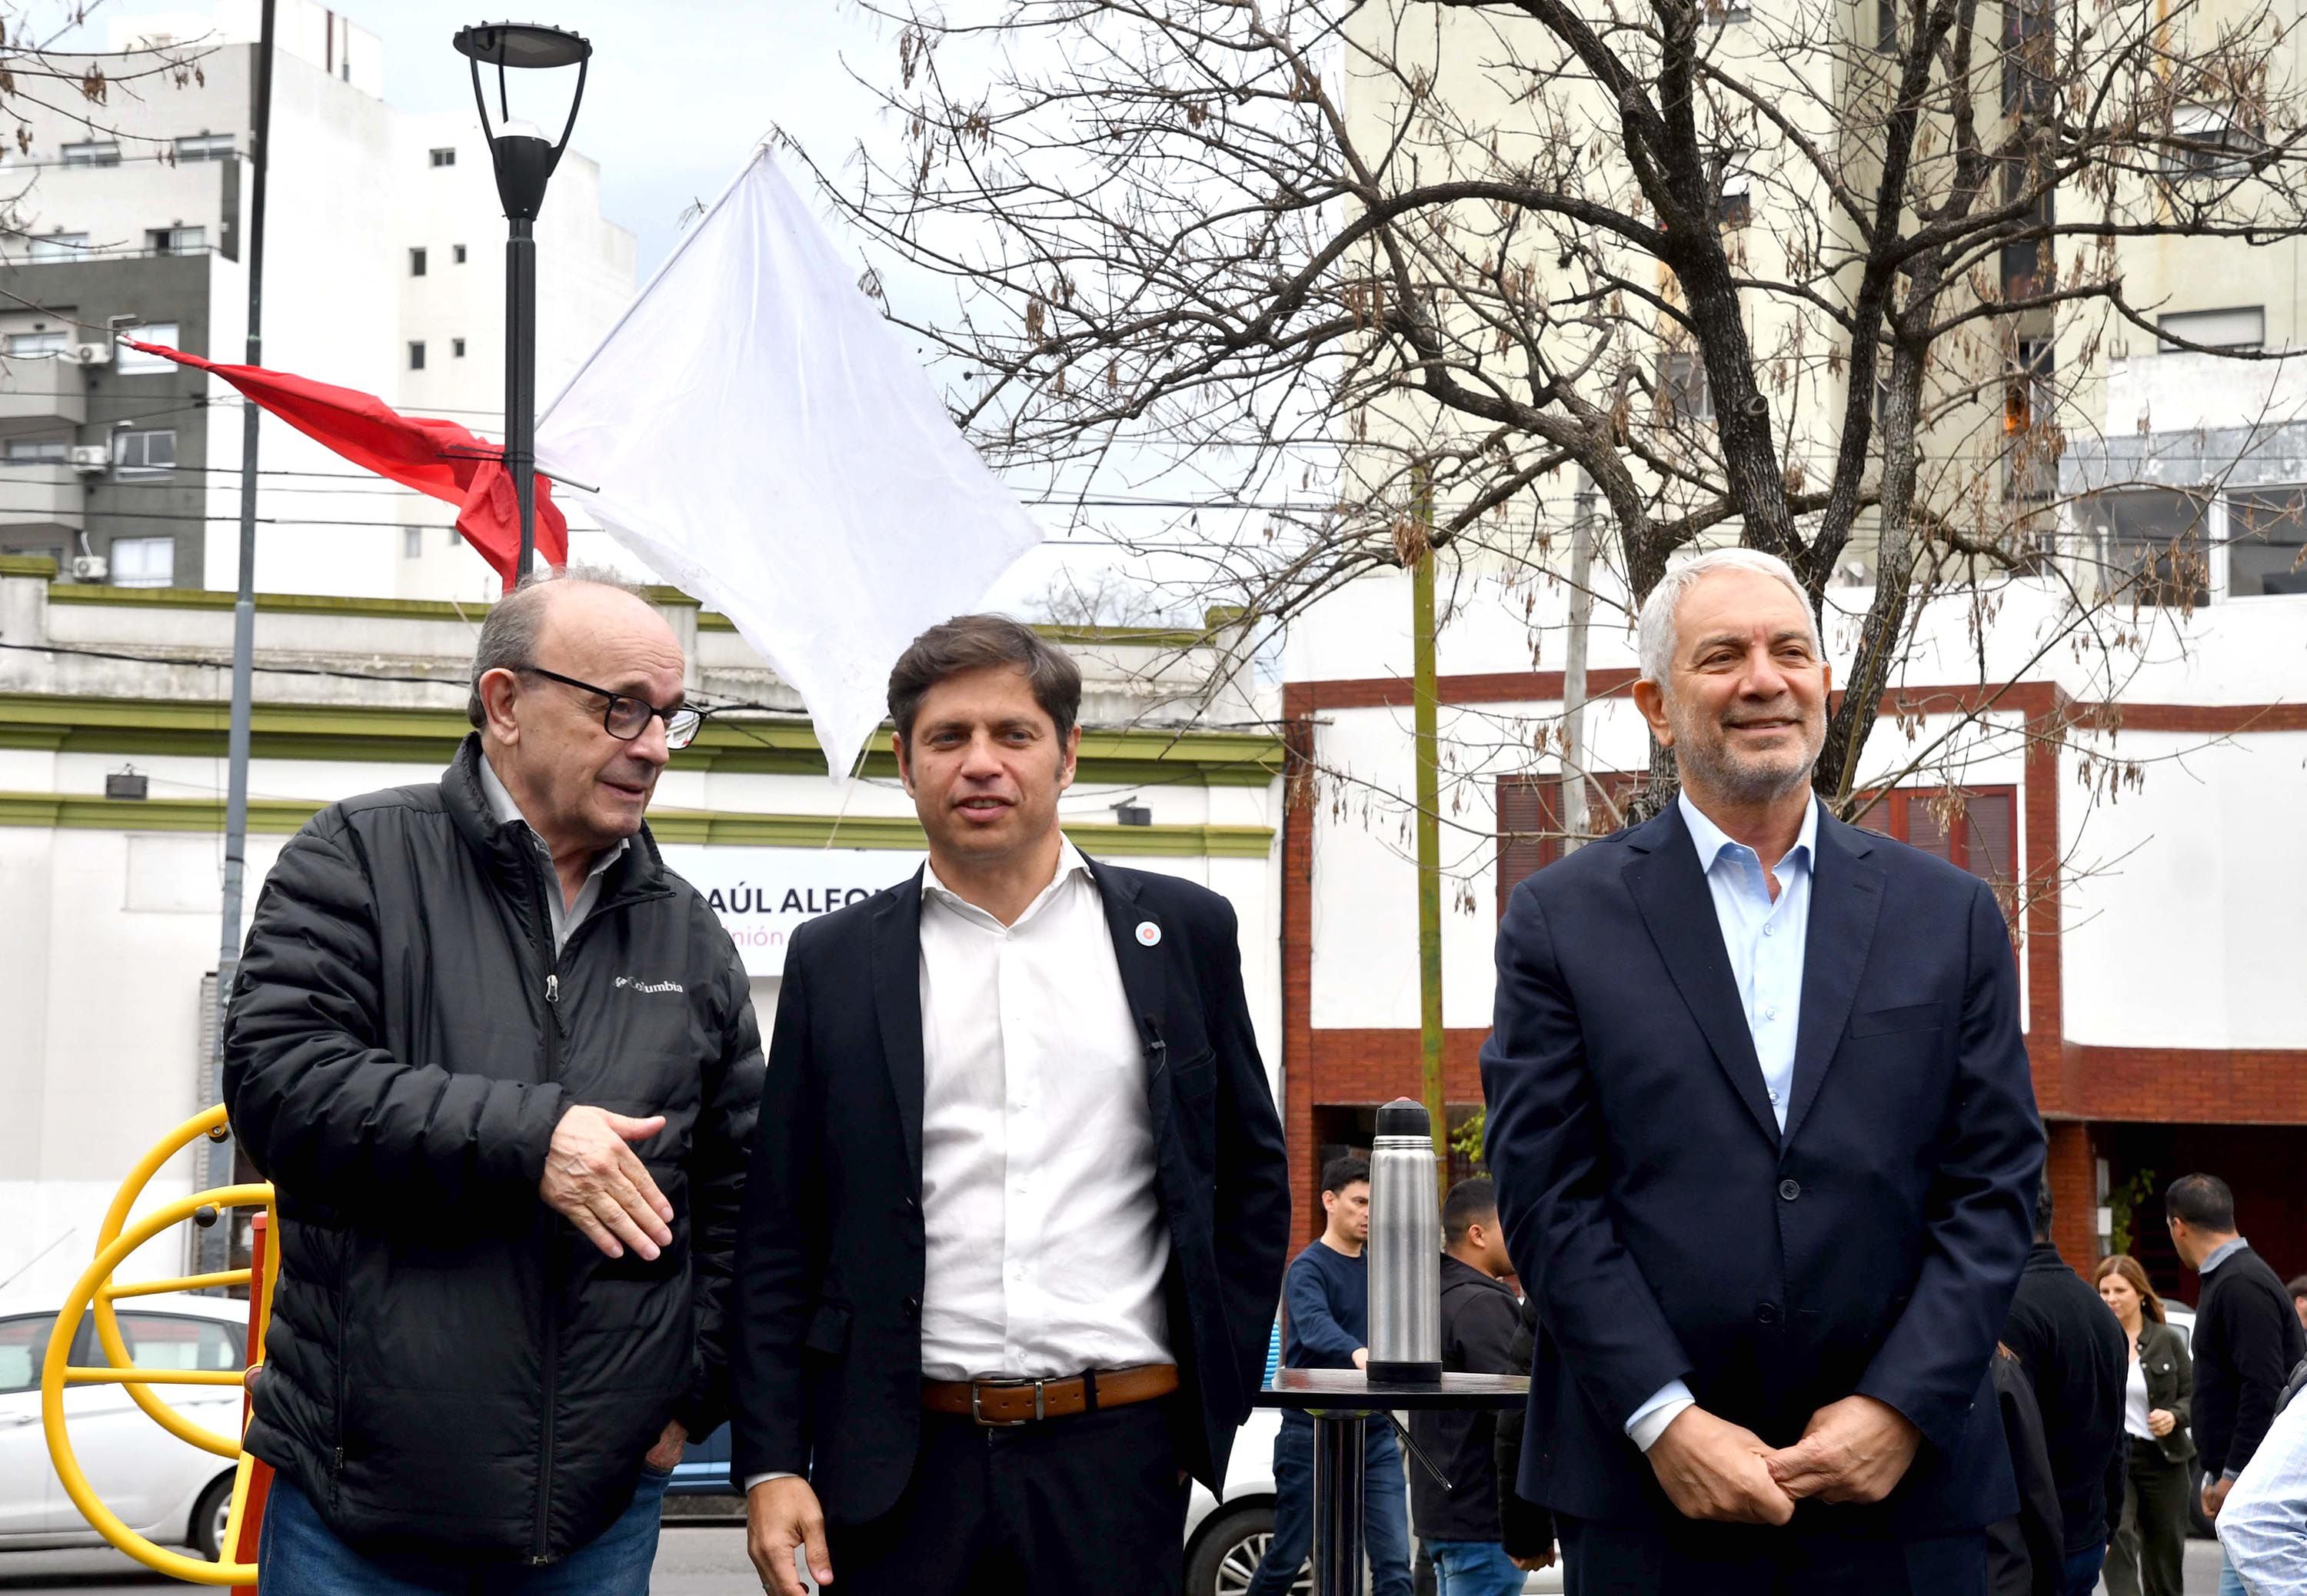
<point>1405,1249</point>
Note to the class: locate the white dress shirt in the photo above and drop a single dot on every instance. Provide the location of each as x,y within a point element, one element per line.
<point>1763,936</point>
<point>1046,1240</point>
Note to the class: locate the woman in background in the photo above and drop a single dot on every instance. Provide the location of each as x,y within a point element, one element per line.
<point>2150,1539</point>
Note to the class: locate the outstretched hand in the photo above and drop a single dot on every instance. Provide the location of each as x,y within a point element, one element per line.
<point>1855,1450</point>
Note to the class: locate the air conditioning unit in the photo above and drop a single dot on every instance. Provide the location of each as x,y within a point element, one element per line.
<point>90,456</point>
<point>92,354</point>
<point>89,568</point>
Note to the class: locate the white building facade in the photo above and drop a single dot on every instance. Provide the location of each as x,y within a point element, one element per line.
<point>112,926</point>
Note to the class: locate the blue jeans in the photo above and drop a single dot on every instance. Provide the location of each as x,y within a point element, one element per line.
<point>298,1555</point>
<point>2079,1576</point>
<point>2230,1582</point>
<point>1386,1511</point>
<point>1473,1568</point>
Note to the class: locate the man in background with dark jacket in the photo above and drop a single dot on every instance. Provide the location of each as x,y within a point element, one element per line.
<point>1458,1522</point>
<point>2246,1338</point>
<point>2072,1351</point>
<point>501,1066</point>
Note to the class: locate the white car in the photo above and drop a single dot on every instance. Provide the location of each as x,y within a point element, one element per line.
<point>166,1489</point>
<point>1225,1539</point>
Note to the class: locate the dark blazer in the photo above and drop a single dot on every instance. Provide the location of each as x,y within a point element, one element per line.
<point>1668,1230</point>
<point>2170,1383</point>
<point>826,1317</point>
<point>2247,1338</point>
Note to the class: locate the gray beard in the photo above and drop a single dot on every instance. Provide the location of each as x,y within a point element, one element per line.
<point>1739,781</point>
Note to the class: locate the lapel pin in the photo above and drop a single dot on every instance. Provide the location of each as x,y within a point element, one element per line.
<point>1149,934</point>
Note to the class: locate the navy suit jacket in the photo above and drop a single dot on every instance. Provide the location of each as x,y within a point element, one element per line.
<point>1668,1230</point>
<point>825,1307</point>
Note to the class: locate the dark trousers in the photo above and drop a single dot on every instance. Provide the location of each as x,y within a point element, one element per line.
<point>1385,1511</point>
<point>1602,1559</point>
<point>1055,1508</point>
<point>2148,1556</point>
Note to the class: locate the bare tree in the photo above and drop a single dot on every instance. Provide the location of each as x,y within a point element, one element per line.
<point>1828,279</point>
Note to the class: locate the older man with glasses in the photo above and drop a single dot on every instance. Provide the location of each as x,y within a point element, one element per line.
<point>502,1066</point>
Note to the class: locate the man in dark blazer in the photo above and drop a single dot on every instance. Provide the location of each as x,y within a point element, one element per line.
<point>1014,1224</point>
<point>1764,1139</point>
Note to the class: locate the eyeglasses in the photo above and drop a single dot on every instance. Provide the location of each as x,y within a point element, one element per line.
<point>626,716</point>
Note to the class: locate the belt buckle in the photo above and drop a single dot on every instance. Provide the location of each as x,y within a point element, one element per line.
<point>977,1411</point>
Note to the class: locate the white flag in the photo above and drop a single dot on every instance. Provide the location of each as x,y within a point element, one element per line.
<point>760,437</point>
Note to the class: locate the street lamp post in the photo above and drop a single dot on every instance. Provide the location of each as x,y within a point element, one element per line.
<point>524,162</point>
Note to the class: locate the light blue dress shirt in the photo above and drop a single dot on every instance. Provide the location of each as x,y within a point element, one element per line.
<point>2263,1524</point>
<point>1764,938</point>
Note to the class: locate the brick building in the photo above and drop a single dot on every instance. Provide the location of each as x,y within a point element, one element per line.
<point>2141,840</point>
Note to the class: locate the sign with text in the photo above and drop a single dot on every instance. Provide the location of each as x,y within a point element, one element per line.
<point>763,895</point>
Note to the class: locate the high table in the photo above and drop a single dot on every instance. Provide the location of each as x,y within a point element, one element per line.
<point>1338,1401</point>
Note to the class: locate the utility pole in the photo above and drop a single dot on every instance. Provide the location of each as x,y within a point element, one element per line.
<point>215,1243</point>
<point>1424,693</point>
<point>1575,821</point>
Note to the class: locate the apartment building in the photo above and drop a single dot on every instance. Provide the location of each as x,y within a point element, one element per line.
<point>384,273</point>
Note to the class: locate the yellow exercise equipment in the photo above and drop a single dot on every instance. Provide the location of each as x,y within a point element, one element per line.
<point>118,1238</point>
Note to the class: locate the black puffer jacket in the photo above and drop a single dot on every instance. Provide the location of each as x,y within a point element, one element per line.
<point>450,1365</point>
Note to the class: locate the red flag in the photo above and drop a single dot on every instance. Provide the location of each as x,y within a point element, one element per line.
<point>439,458</point>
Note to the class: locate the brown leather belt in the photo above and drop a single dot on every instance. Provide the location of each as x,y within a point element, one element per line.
<point>1003,1403</point>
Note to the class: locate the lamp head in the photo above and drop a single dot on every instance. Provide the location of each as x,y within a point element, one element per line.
<point>523,158</point>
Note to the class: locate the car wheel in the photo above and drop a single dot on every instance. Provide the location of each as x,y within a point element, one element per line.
<point>1229,1550</point>
<point>208,1518</point>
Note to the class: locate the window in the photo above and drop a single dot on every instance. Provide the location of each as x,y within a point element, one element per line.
<point>2244,327</point>
<point>205,147</point>
<point>47,451</point>
<point>416,354</point>
<point>135,362</point>
<point>59,246</point>
<point>444,158</point>
<point>178,1341</point>
<point>2026,399</point>
<point>143,562</point>
<point>176,240</point>
<point>417,263</point>
<point>2267,542</point>
<point>1529,832</point>
<point>1975,831</point>
<point>412,542</point>
<point>457,253</point>
<point>96,153</point>
<point>1886,26</point>
<point>2027,263</point>
<point>455,348</point>
<point>2210,145</point>
<point>24,1348</point>
<point>2030,65</point>
<point>1682,389</point>
<point>144,454</point>
<point>44,342</point>
<point>2151,545</point>
<point>1738,206</point>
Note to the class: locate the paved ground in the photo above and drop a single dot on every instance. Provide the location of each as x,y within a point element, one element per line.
<point>691,1560</point>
